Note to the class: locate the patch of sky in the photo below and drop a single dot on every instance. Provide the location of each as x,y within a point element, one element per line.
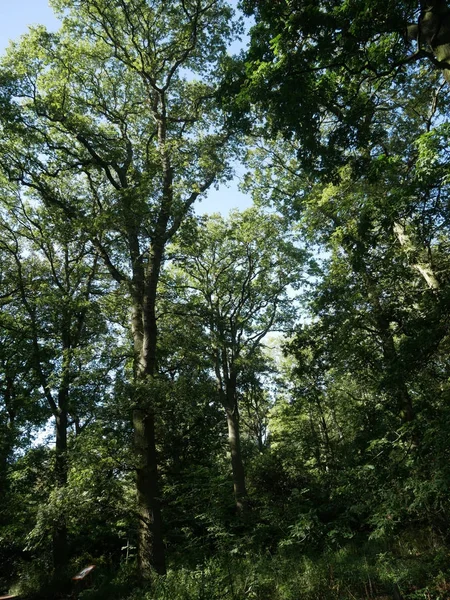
<point>16,17</point>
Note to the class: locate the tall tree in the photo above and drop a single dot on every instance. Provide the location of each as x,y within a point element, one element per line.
<point>124,97</point>
<point>383,229</point>
<point>238,274</point>
<point>57,279</point>
<point>20,406</point>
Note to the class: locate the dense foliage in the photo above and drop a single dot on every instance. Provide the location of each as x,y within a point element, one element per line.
<point>226,407</point>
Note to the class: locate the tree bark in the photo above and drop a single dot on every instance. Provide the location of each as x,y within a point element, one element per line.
<point>237,465</point>
<point>60,547</point>
<point>234,440</point>
<point>150,551</point>
<point>424,268</point>
<point>8,433</point>
<point>434,30</point>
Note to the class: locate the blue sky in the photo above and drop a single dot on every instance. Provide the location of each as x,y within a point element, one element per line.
<point>17,15</point>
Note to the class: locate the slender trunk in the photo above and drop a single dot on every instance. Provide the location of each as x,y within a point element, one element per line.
<point>60,545</point>
<point>234,439</point>
<point>314,435</point>
<point>323,423</point>
<point>227,385</point>
<point>8,396</point>
<point>60,550</point>
<point>336,424</point>
<point>260,437</point>
<point>237,465</point>
<point>7,434</point>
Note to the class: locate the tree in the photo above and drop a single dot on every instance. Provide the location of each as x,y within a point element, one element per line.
<point>371,358</point>
<point>114,99</point>
<point>58,283</point>
<point>16,411</point>
<point>21,406</point>
<point>238,275</point>
<point>318,70</point>
<point>381,225</point>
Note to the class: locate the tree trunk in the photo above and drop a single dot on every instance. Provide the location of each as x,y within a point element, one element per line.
<point>323,425</point>
<point>150,551</point>
<point>316,437</point>
<point>434,30</point>
<point>60,550</point>
<point>424,268</point>
<point>7,435</point>
<point>234,439</point>
<point>237,465</point>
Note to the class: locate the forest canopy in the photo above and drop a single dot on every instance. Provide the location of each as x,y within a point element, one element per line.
<point>251,405</point>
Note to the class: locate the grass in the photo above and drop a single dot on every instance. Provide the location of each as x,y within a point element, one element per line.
<point>415,564</point>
